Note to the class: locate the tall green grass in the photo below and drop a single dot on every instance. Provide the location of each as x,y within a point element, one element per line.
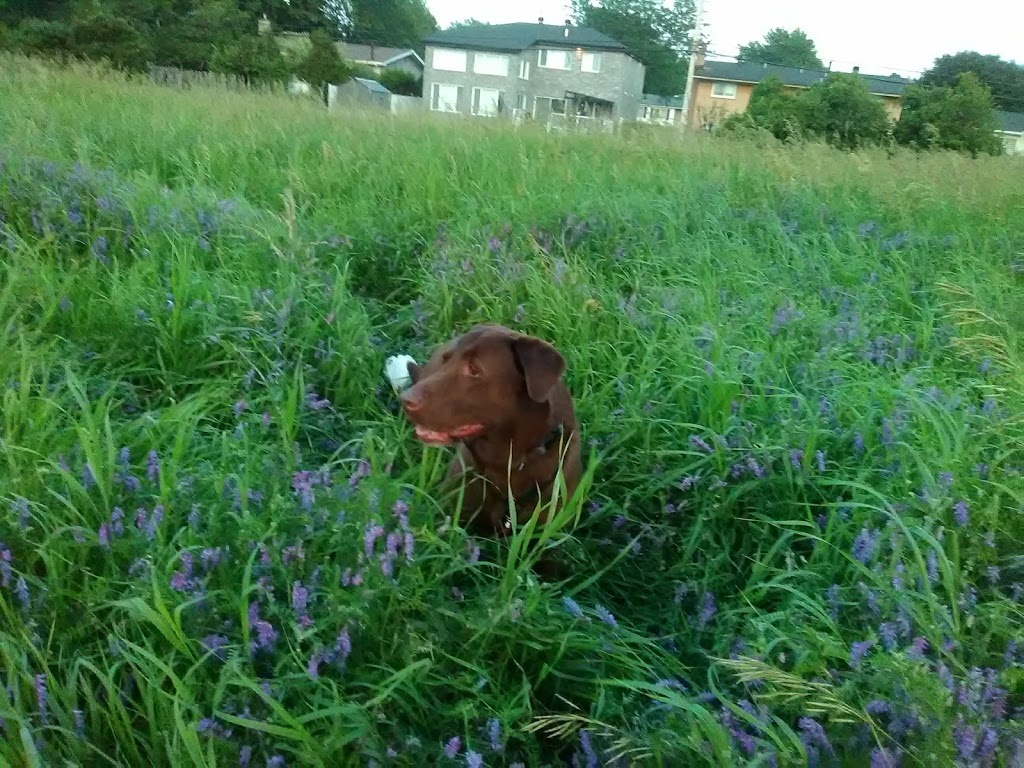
<point>798,373</point>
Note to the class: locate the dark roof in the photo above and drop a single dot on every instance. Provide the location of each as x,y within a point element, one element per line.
<point>371,85</point>
<point>755,72</point>
<point>1011,122</point>
<point>512,38</point>
<point>653,100</point>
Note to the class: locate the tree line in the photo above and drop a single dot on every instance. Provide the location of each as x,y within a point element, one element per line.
<point>214,35</point>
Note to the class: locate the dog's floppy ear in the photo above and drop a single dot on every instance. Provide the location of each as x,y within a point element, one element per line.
<point>542,366</point>
<point>414,372</point>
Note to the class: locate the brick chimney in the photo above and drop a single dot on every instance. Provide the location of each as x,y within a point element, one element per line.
<point>856,70</point>
<point>540,20</point>
<point>565,32</point>
<point>699,53</point>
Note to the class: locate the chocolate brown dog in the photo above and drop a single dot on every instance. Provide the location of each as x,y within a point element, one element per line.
<point>499,395</point>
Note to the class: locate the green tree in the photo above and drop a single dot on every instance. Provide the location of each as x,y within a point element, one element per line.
<point>37,37</point>
<point>254,58</point>
<point>101,36</point>
<point>323,65</point>
<point>190,40</point>
<point>1004,78</point>
<point>783,47</point>
<point>470,22</point>
<point>961,118</point>
<point>13,12</point>
<point>401,82</point>
<point>398,23</point>
<point>842,110</point>
<point>776,109</point>
<point>657,34</point>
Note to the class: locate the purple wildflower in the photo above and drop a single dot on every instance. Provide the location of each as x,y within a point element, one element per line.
<point>993,574</point>
<point>474,760</point>
<point>343,647</point>
<point>917,648</point>
<point>882,757</point>
<point>864,546</point>
<point>605,615</point>
<point>960,510</point>
<point>966,740</point>
<point>887,631</point>
<point>104,534</point>
<point>275,761</point>
<point>708,609</point>
<point>215,644</point>
<point>473,551</point>
<point>819,456</point>
<point>453,747</point>
<point>410,543</point>
<point>5,566</point>
<point>88,477</point>
<point>832,598</point>
<point>244,756</point>
<point>587,748</point>
<point>313,667</point>
<point>41,699</point>
<point>300,598</point>
<point>572,607</point>
<point>21,590</point>
<point>494,734</point>
<point>20,507</point>
<point>796,458</point>
<point>153,467</point>
<point>858,650</point>
<point>858,442</point>
<point>240,407</point>
<point>698,442</point>
<point>814,738</point>
<point>373,532</point>
<point>932,565</point>
<point>316,403</point>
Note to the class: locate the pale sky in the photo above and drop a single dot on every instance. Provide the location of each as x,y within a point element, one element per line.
<point>880,36</point>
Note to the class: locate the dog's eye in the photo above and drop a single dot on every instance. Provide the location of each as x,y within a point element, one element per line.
<point>471,368</point>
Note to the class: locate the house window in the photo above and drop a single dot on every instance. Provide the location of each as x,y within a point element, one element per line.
<point>551,58</point>
<point>520,102</point>
<point>490,64</point>
<point>486,101</point>
<point>524,69</point>
<point>449,60</point>
<point>720,90</point>
<point>558,106</point>
<point>444,97</point>
<point>591,62</point>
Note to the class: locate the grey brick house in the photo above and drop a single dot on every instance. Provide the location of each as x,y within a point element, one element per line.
<point>535,71</point>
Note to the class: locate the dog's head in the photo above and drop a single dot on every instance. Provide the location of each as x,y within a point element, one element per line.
<point>478,382</point>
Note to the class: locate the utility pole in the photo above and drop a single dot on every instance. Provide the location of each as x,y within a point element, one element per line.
<point>696,40</point>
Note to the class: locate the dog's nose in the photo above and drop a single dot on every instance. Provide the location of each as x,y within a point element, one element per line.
<point>411,402</point>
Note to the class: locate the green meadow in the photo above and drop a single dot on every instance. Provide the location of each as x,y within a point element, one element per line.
<point>800,378</point>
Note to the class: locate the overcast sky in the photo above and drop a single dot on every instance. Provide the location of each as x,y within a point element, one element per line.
<point>880,36</point>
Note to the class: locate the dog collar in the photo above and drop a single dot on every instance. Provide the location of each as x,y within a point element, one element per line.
<point>546,444</point>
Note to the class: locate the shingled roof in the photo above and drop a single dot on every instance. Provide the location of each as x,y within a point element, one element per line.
<point>1011,122</point>
<point>513,38</point>
<point>755,72</point>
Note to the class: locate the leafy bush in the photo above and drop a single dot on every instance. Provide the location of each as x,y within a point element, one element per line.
<point>777,109</point>
<point>400,82</point>
<point>961,117</point>
<point>42,38</point>
<point>842,110</point>
<point>255,58</point>
<point>323,64</point>
<point>104,37</point>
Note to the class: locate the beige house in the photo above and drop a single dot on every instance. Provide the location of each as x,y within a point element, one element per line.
<point>723,88</point>
<point>1011,132</point>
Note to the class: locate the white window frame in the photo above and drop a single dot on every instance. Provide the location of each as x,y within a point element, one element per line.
<point>545,54</point>
<point>721,89</point>
<point>435,97</point>
<point>594,61</point>
<point>444,59</point>
<point>474,104</point>
<point>521,101</point>
<point>495,64</point>
<point>524,69</point>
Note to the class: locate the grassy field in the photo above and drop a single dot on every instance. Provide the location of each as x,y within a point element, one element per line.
<point>801,383</point>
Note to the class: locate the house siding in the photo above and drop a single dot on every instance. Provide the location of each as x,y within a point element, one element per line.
<point>619,81</point>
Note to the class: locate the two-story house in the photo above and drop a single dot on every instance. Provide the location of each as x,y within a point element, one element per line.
<point>531,70</point>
